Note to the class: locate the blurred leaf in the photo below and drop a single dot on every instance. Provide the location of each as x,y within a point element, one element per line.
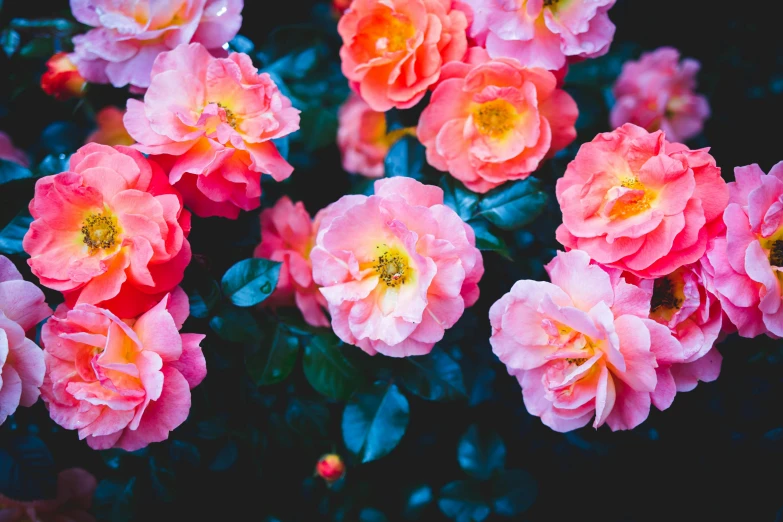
<point>318,127</point>
<point>250,281</point>
<point>11,171</point>
<point>481,453</point>
<point>241,44</point>
<point>213,428</point>
<point>479,381</point>
<point>458,197</point>
<point>13,233</point>
<point>435,376</point>
<point>162,482</point>
<point>271,362</point>
<point>10,40</point>
<point>236,325</point>
<point>486,240</point>
<point>328,371</point>
<point>514,205</point>
<point>26,468</point>
<point>513,492</point>
<point>181,451</point>
<point>418,500</point>
<point>405,158</point>
<point>113,500</point>
<point>58,25</point>
<point>307,418</point>
<point>374,421</point>
<point>202,306</point>
<point>53,164</point>
<point>38,48</point>
<point>61,137</point>
<point>372,515</point>
<point>462,501</point>
<point>226,457</point>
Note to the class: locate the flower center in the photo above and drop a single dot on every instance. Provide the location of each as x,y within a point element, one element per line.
<point>663,295</point>
<point>230,118</point>
<point>391,33</point>
<point>495,118</point>
<point>776,253</point>
<point>100,231</point>
<point>392,266</point>
<point>635,201</point>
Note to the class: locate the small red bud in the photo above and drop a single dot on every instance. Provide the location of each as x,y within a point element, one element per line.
<point>330,468</point>
<point>62,79</point>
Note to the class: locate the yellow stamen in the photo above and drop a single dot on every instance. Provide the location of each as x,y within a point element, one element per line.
<point>495,118</point>
<point>231,119</point>
<point>392,266</point>
<point>100,231</point>
<point>632,204</point>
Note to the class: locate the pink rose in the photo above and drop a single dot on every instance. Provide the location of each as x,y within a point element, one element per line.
<point>111,131</point>
<point>10,153</point>
<point>397,268</point>
<point>121,384</point>
<point>393,50</point>
<point>210,121</point>
<point>128,36</point>
<point>75,488</point>
<point>22,307</point>
<point>492,121</point>
<point>634,201</point>
<point>110,231</point>
<point>543,33</point>
<point>746,261</point>
<point>656,92</point>
<point>287,236</point>
<point>583,346</point>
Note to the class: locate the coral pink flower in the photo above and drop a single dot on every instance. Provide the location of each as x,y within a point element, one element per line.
<point>75,488</point>
<point>543,33</point>
<point>210,122</point>
<point>111,130</point>
<point>634,201</point>
<point>287,236</point>
<point>656,92</point>
<point>22,306</point>
<point>128,36</point>
<point>110,231</point>
<point>397,268</point>
<point>62,79</point>
<point>583,345</point>
<point>492,121</point>
<point>393,49</point>
<point>363,139</point>
<point>746,261</point>
<point>122,384</point>
<point>10,153</point>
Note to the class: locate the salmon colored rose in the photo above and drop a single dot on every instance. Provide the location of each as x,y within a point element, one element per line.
<point>634,201</point>
<point>9,152</point>
<point>111,131</point>
<point>110,231</point>
<point>62,79</point>
<point>393,50</point>
<point>210,122</point>
<point>493,121</point>
<point>287,236</point>
<point>75,488</point>
<point>121,383</point>
<point>397,268</point>
<point>128,36</point>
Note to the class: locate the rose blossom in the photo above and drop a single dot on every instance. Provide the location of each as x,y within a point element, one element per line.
<point>583,345</point>
<point>287,235</point>
<point>393,50</point>
<point>397,268</point>
<point>492,121</point>
<point>542,33</point>
<point>22,307</point>
<point>111,130</point>
<point>128,36</point>
<point>75,488</point>
<point>9,152</point>
<point>656,92</point>
<point>62,79</point>
<point>121,383</point>
<point>634,201</point>
<point>110,231</point>
<point>210,121</point>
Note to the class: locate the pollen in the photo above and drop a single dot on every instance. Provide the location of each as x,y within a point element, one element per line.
<point>231,119</point>
<point>632,203</point>
<point>776,254</point>
<point>578,362</point>
<point>392,267</point>
<point>495,118</point>
<point>663,295</point>
<point>100,231</point>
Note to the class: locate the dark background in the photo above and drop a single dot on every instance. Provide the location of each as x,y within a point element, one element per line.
<point>717,453</point>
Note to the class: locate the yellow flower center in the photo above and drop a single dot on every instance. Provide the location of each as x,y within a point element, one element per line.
<point>392,33</point>
<point>634,203</point>
<point>231,119</point>
<point>392,266</point>
<point>495,118</point>
<point>100,231</point>
<point>667,297</point>
<point>776,253</point>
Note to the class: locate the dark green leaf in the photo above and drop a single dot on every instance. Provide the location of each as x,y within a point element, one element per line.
<point>514,205</point>
<point>26,468</point>
<point>113,500</point>
<point>9,41</point>
<point>462,501</point>
<point>185,452</point>
<point>486,240</point>
<point>12,234</point>
<point>241,44</point>
<point>11,171</point>
<point>38,48</point>
<point>226,457</point>
<point>513,492</point>
<point>374,421</point>
<point>405,158</point>
<point>53,164</point>
<point>213,428</point>
<point>481,453</point>
<point>202,306</point>
<point>236,325</point>
<point>318,127</point>
<point>251,281</point>
<point>372,515</point>
<point>459,198</point>
<point>61,137</point>
<point>418,500</point>
<point>435,376</point>
<point>308,419</point>
<point>59,25</point>
<point>327,369</point>
<point>162,482</point>
<point>271,361</point>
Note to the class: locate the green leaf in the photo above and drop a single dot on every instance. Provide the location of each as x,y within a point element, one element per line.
<point>459,198</point>
<point>372,515</point>
<point>318,127</point>
<point>38,48</point>
<point>185,452</point>
<point>26,468</point>
<point>435,376</point>
<point>308,419</point>
<point>11,171</point>
<point>271,362</point>
<point>236,325</point>
<point>226,457</point>
<point>12,234</point>
<point>481,453</point>
<point>514,205</point>
<point>162,481</point>
<point>418,500</point>
<point>9,41</point>
<point>53,164</point>
<point>486,240</point>
<point>405,158</point>
<point>251,281</point>
<point>374,421</point>
<point>113,500</point>
<point>462,501</point>
<point>202,306</point>
<point>328,371</point>
<point>513,492</point>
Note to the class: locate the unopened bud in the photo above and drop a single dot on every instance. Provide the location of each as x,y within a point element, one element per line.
<point>331,468</point>
<point>62,79</point>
